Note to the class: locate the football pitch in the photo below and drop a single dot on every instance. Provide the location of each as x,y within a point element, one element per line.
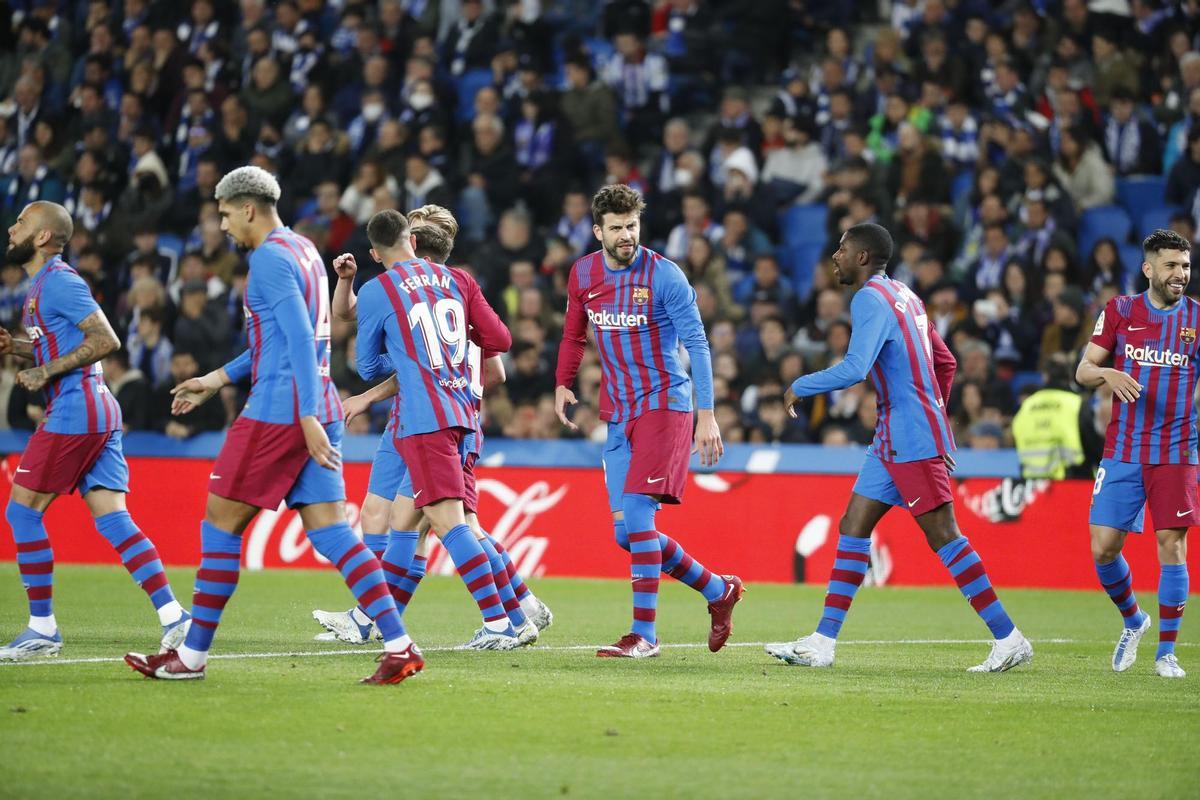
<point>897,716</point>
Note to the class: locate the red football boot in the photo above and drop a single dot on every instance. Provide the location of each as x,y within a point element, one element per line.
<point>163,666</point>
<point>722,612</point>
<point>395,667</point>
<point>629,646</point>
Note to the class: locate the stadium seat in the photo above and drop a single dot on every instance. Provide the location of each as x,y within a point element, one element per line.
<point>802,261</point>
<point>1139,192</point>
<point>1021,380</point>
<point>171,243</point>
<point>961,184</point>
<point>1151,217</point>
<point>803,224</point>
<point>1102,222</point>
<point>601,51</point>
<point>467,86</point>
<point>1131,259</point>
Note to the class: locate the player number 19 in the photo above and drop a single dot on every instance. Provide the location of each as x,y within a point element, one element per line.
<point>445,324</point>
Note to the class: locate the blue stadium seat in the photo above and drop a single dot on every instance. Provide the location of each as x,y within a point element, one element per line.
<point>171,243</point>
<point>1131,259</point>
<point>1139,192</point>
<point>601,51</point>
<point>1100,222</point>
<point>803,224</point>
<point>1020,380</point>
<point>801,265</point>
<point>467,86</point>
<point>1151,217</point>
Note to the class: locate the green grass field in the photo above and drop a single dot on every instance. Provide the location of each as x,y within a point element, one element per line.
<point>896,717</point>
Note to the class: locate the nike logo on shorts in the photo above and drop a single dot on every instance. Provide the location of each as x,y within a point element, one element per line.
<point>1183,513</point>
<point>914,502</point>
<point>212,476</point>
<point>655,480</point>
<point>417,493</point>
<point>19,469</point>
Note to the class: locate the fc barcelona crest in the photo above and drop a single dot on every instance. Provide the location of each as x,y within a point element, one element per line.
<point>32,306</point>
<point>641,296</point>
<point>1188,335</point>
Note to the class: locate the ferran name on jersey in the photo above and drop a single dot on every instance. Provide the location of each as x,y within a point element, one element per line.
<point>1187,335</point>
<point>641,295</point>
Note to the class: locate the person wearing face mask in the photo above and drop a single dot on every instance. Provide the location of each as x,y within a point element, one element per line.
<point>422,108</point>
<point>364,128</point>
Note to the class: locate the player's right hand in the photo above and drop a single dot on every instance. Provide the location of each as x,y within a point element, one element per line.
<point>6,342</point>
<point>1123,385</point>
<point>318,444</point>
<point>564,397</point>
<point>190,395</point>
<point>345,266</point>
<point>353,406</point>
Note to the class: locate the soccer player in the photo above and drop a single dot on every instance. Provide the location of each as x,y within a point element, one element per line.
<point>417,320</point>
<point>1150,447</point>
<point>403,550</point>
<point>640,307</point>
<point>909,462</point>
<point>78,444</point>
<point>285,445</point>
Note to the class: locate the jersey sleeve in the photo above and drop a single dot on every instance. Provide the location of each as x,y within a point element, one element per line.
<point>275,286</point>
<point>238,369</point>
<point>487,330</point>
<point>868,319</point>
<point>69,295</point>
<point>1105,333</point>
<point>679,301</point>
<point>372,362</point>
<point>944,364</point>
<point>574,337</point>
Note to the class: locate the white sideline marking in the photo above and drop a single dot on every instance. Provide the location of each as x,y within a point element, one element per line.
<point>550,649</point>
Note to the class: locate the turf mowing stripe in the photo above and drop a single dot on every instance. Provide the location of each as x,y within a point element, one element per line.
<point>560,648</point>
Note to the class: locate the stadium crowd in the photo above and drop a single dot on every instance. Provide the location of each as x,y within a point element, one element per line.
<point>1017,151</point>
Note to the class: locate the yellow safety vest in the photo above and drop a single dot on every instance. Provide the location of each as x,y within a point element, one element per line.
<point>1046,431</point>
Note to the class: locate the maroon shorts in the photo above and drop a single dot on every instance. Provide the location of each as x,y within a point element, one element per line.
<point>470,490</point>
<point>259,462</point>
<point>56,463</point>
<point>660,447</point>
<point>1171,488</point>
<point>923,485</point>
<point>435,465</point>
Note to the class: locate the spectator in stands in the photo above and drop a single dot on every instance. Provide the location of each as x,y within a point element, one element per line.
<point>1040,181</point>
<point>130,387</point>
<point>1082,171</point>
<point>207,417</point>
<point>1185,174</point>
<point>640,80</point>
<point>590,108</point>
<point>1130,142</point>
<point>531,375</point>
<point>34,180</point>
<point>987,271</point>
<point>149,349</point>
<point>1039,230</point>
<point>697,221</point>
<point>491,177</point>
<point>1114,69</point>
<point>796,173</point>
<point>1177,136</point>
<point>14,285</point>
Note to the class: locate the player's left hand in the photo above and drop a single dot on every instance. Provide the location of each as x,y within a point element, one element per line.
<point>790,399</point>
<point>708,438</point>
<point>353,406</point>
<point>318,444</point>
<point>345,266</point>
<point>6,342</point>
<point>33,378</point>
<point>951,464</point>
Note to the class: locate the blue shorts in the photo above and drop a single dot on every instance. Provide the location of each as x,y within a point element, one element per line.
<point>389,474</point>
<point>316,484</point>
<point>616,461</point>
<point>1122,491</point>
<point>920,486</point>
<point>110,470</point>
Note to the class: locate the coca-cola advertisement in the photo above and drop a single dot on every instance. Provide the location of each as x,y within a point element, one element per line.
<point>556,522</point>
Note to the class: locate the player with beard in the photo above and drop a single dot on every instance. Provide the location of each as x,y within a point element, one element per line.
<point>908,464</point>
<point>641,307</point>
<point>1150,447</point>
<point>77,446</point>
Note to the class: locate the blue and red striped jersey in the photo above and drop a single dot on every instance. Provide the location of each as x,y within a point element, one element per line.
<point>419,318</point>
<point>287,327</point>
<point>475,361</point>
<point>893,343</point>
<point>639,315</point>
<point>1158,348</point>
<point>76,401</point>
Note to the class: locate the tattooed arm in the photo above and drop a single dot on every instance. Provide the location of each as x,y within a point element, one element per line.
<point>98,341</point>
<point>16,347</point>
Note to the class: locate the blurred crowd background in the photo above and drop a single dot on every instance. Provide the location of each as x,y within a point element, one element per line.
<point>1018,152</point>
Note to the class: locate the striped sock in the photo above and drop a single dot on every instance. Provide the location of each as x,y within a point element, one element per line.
<point>138,554</point>
<point>508,598</point>
<point>376,542</point>
<point>216,580</point>
<point>645,562</point>
<point>401,548</point>
<point>514,578</point>
<point>850,567</point>
<point>678,564</point>
<point>967,569</point>
<point>475,570</point>
<point>35,560</point>
<point>362,573</point>
<point>1118,582</point>
<point>1172,597</point>
<point>687,570</point>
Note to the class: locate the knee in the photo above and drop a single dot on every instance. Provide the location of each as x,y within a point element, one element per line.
<point>1173,550</point>
<point>940,537</point>
<point>852,528</point>
<point>1105,549</point>
<point>374,517</point>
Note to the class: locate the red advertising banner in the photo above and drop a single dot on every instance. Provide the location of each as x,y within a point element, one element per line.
<point>764,527</point>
